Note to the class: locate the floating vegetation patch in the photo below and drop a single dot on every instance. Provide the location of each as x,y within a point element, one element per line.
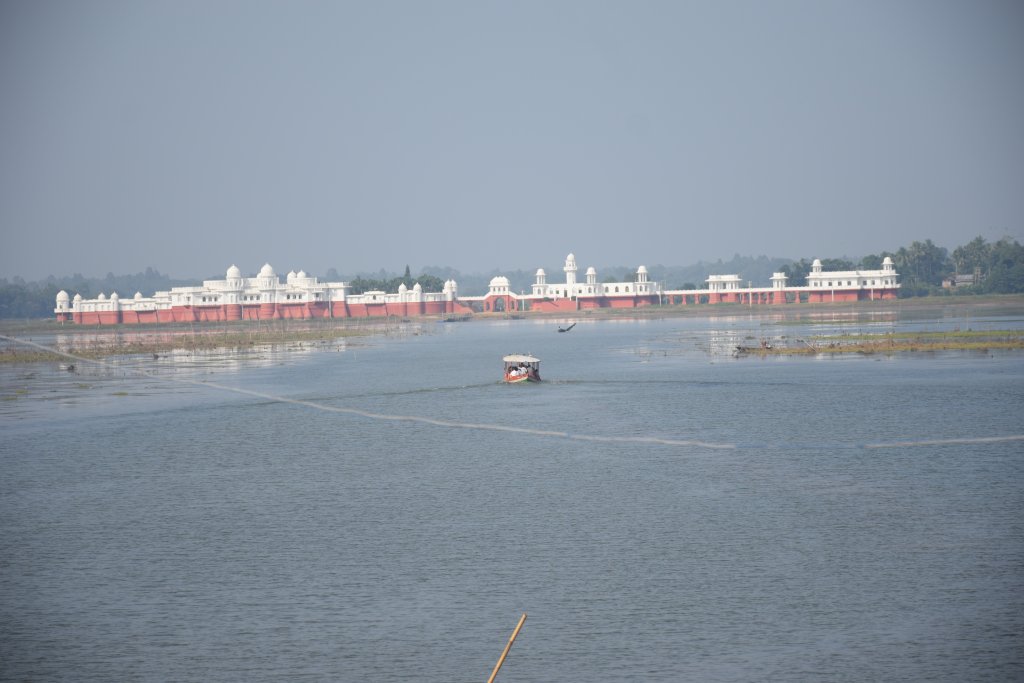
<point>895,342</point>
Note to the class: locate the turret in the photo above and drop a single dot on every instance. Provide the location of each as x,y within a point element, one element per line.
<point>570,270</point>
<point>234,277</point>
<point>267,279</point>
<point>63,309</point>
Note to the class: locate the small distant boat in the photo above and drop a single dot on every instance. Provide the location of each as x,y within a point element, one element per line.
<point>519,368</point>
<point>566,329</point>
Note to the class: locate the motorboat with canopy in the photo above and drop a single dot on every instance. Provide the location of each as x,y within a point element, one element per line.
<point>521,368</point>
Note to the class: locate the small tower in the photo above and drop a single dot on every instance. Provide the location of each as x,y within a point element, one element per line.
<point>63,309</point>
<point>570,270</point>
<point>540,285</point>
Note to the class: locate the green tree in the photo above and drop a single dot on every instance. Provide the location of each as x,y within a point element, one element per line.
<point>975,254</point>
<point>871,262</point>
<point>921,266</point>
<point>1006,268</point>
<point>796,272</point>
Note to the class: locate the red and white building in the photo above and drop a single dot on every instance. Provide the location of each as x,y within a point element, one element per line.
<point>822,287</point>
<point>300,296</point>
<point>263,297</point>
<point>570,295</point>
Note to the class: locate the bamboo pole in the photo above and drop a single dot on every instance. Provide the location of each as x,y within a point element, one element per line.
<point>508,647</point>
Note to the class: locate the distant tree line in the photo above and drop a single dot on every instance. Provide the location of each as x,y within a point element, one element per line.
<point>996,268</point>
<point>21,299</point>
<point>428,283</point>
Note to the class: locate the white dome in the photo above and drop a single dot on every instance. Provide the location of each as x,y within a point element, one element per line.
<point>301,274</point>
<point>887,261</point>
<point>233,272</point>
<point>101,297</point>
<point>540,272</point>
<point>417,288</point>
<point>138,296</point>
<point>591,271</point>
<point>816,263</point>
<point>290,276</point>
<point>266,270</point>
<point>78,297</point>
<point>570,260</point>
<point>499,281</point>
<point>641,269</point>
<point>62,296</point>
<point>402,288</point>
<point>114,296</point>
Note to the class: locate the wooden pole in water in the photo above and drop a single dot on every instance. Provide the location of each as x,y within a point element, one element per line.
<point>508,647</point>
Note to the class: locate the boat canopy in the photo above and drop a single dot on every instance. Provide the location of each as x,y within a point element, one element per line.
<point>518,358</point>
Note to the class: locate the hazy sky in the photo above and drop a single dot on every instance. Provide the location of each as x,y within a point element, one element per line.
<point>193,134</point>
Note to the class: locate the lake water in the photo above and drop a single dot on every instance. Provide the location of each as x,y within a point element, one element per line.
<point>662,510</point>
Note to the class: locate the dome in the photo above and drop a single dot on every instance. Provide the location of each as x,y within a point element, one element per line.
<point>570,260</point>
<point>499,281</point>
<point>591,271</point>
<point>417,288</point>
<point>291,276</point>
<point>402,289</point>
<point>301,274</point>
<point>641,269</point>
<point>62,296</point>
<point>138,296</point>
<point>266,270</point>
<point>101,297</point>
<point>816,263</point>
<point>233,272</point>
<point>78,297</point>
<point>540,272</point>
<point>114,296</point>
<point>887,261</point>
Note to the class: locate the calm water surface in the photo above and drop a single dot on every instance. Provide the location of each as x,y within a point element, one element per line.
<point>155,529</point>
